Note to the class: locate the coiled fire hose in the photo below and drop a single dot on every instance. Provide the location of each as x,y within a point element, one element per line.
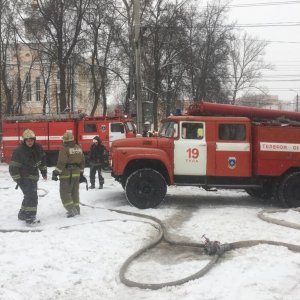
<point>212,249</point>
<point>262,216</point>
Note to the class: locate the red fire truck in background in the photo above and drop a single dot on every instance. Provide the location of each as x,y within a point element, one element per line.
<point>49,132</point>
<point>214,146</point>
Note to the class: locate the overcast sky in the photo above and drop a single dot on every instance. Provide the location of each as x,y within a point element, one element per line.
<point>283,32</point>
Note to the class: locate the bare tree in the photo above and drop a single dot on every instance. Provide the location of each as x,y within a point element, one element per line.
<point>246,63</point>
<point>101,33</point>
<point>58,34</point>
<point>207,57</point>
<point>162,48</point>
<point>6,33</point>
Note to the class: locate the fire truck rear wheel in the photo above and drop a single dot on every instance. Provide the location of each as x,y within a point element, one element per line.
<point>289,190</point>
<point>145,188</point>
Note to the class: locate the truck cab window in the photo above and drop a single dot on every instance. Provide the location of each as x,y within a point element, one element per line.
<point>236,132</point>
<point>90,127</point>
<point>117,127</point>
<point>192,131</point>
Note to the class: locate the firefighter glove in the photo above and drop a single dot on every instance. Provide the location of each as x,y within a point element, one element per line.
<point>54,175</point>
<point>44,174</point>
<point>82,178</point>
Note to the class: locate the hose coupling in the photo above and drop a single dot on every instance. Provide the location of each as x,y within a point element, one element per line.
<point>215,247</point>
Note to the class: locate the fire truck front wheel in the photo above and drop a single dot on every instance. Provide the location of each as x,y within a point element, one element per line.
<point>145,188</point>
<point>289,190</point>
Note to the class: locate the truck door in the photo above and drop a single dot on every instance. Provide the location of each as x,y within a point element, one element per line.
<point>233,155</point>
<point>116,131</point>
<point>190,150</point>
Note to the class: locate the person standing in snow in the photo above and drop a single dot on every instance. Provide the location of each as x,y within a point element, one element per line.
<point>70,168</point>
<point>97,158</point>
<point>27,160</point>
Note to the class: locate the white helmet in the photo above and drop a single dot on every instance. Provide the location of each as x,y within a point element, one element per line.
<point>28,134</point>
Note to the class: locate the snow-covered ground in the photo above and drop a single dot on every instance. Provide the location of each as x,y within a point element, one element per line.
<point>82,262</point>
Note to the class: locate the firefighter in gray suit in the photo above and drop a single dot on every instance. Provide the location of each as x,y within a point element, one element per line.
<point>69,168</point>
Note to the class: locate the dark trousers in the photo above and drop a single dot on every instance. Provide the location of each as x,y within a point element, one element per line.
<point>93,171</point>
<point>29,204</point>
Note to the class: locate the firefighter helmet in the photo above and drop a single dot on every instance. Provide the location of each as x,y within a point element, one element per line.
<point>68,137</point>
<point>28,134</point>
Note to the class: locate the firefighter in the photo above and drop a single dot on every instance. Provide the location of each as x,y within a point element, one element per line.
<point>24,168</point>
<point>70,168</point>
<point>97,159</point>
<point>146,129</point>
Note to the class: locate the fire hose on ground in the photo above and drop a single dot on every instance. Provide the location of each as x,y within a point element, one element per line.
<point>212,249</point>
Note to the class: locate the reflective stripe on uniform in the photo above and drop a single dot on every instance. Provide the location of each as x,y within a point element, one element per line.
<point>25,208</point>
<point>15,164</point>
<point>68,176</point>
<point>68,204</point>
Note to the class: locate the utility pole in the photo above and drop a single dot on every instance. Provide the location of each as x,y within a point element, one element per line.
<point>297,103</point>
<point>137,44</point>
<point>1,100</point>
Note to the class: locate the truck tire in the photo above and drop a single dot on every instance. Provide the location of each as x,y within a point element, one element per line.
<point>289,190</point>
<point>145,188</point>
<point>265,192</point>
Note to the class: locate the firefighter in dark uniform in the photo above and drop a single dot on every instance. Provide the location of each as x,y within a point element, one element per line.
<point>97,158</point>
<point>27,160</point>
<point>69,168</point>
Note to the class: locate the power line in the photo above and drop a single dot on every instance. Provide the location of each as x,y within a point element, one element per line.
<point>279,42</point>
<point>264,4</point>
<point>279,24</point>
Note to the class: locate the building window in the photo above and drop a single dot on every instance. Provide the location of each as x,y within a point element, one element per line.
<point>28,87</point>
<point>38,89</point>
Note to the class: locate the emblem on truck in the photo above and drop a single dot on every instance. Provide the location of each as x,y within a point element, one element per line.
<point>231,162</point>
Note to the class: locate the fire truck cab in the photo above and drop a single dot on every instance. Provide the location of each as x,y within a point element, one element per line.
<point>214,146</point>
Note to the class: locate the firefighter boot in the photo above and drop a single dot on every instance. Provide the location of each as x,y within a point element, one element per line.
<point>21,215</point>
<point>32,220</point>
<point>101,182</point>
<point>77,208</point>
<point>72,212</point>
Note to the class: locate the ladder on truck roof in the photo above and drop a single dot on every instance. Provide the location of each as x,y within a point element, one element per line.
<point>62,117</point>
<point>48,117</point>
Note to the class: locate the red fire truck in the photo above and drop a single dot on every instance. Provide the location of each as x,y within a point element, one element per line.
<point>49,132</point>
<point>214,146</point>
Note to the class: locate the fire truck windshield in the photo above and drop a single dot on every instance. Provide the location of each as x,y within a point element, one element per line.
<point>169,129</point>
